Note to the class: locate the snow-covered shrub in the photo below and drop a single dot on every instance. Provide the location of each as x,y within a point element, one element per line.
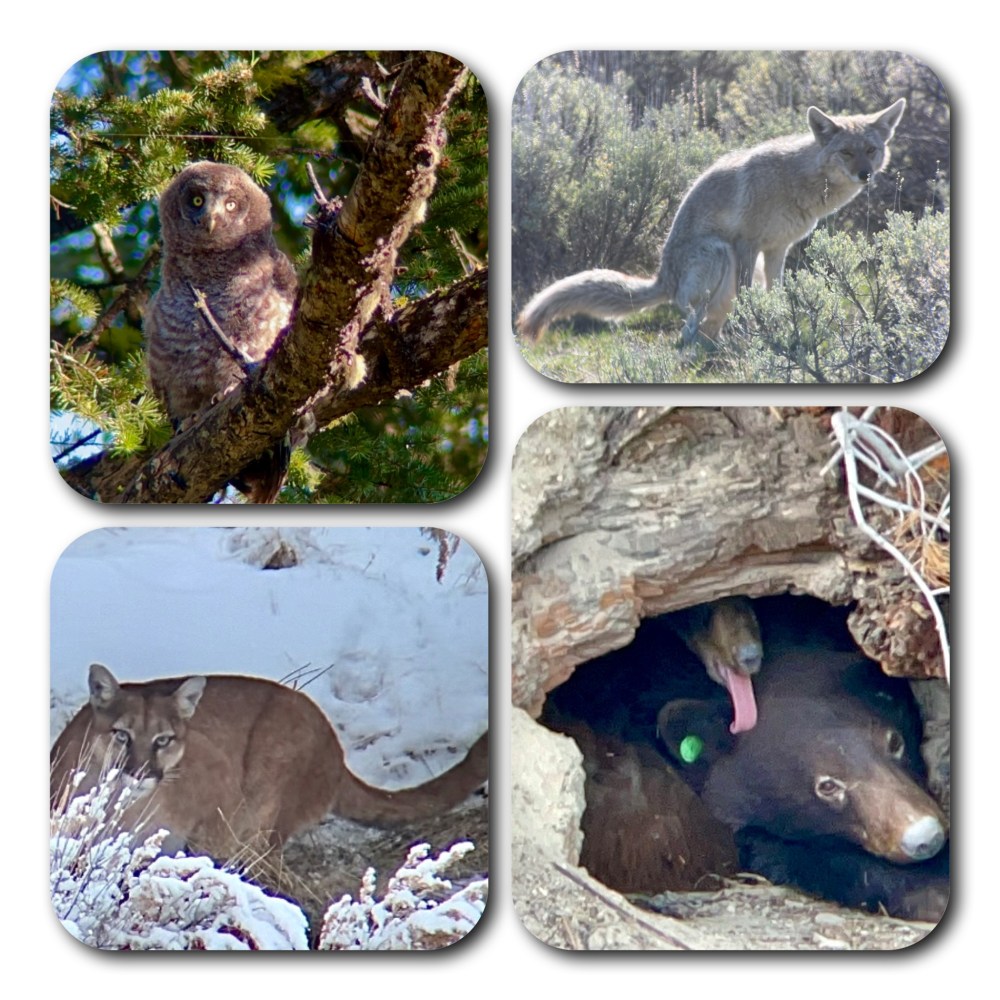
<point>419,912</point>
<point>109,894</point>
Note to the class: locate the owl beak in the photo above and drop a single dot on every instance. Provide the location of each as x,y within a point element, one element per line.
<point>210,219</point>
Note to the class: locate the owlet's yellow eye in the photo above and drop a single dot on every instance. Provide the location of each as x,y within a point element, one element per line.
<point>197,201</point>
<point>230,205</point>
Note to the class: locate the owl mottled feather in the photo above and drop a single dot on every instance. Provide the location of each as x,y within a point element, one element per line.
<point>216,226</point>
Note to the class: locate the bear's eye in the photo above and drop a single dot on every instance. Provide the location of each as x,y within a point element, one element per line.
<point>830,789</point>
<point>197,201</point>
<point>121,736</point>
<point>895,744</point>
<point>163,741</point>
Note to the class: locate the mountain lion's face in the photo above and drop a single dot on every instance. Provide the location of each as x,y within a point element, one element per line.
<point>142,733</point>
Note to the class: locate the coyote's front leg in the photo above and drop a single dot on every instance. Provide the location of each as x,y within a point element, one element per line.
<point>774,267</point>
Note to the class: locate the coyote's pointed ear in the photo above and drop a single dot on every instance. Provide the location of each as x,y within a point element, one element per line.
<point>888,120</point>
<point>823,127</point>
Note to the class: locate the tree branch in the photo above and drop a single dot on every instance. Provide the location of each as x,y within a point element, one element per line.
<point>328,88</point>
<point>344,348</point>
<point>424,338</point>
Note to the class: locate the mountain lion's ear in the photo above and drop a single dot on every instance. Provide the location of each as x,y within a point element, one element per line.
<point>103,686</point>
<point>187,696</point>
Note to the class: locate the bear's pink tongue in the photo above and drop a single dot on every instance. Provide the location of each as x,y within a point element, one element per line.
<point>740,690</point>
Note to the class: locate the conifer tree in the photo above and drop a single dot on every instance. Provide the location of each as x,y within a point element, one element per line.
<point>350,146</point>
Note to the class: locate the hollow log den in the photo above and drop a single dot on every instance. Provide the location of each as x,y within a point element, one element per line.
<point>755,696</point>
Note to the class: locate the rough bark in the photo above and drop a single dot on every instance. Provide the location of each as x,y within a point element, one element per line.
<point>620,514</point>
<point>330,87</point>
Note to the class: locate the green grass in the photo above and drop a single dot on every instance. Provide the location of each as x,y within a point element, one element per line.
<point>639,351</point>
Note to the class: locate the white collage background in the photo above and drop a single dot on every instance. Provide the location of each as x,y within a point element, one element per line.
<point>500,43</point>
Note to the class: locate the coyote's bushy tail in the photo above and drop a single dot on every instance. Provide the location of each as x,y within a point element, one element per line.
<point>601,293</point>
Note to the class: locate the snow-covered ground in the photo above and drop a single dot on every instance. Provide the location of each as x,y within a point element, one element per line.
<point>404,655</point>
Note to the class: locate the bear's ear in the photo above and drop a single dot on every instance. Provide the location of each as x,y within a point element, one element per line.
<point>695,733</point>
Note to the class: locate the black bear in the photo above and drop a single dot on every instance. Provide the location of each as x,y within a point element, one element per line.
<point>725,636</point>
<point>826,791</point>
<point>620,693</point>
<point>644,829</point>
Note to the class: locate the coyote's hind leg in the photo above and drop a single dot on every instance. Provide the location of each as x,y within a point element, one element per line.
<point>706,292</point>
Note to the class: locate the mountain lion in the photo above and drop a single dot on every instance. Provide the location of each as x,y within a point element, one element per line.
<point>224,762</point>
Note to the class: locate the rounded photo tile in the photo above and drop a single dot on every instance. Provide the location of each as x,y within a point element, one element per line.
<point>731,217</point>
<point>269,277</point>
<point>269,739</point>
<point>731,722</point>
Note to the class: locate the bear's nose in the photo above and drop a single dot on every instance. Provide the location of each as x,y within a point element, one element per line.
<point>923,839</point>
<point>748,656</point>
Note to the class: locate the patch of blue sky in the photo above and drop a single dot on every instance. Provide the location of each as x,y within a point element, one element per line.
<point>89,77</point>
<point>67,430</point>
<point>64,310</point>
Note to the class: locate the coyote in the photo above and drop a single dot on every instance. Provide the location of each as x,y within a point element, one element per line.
<point>735,225</point>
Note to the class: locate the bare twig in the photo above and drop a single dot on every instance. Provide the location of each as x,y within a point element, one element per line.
<point>628,914</point>
<point>318,193</point>
<point>77,444</point>
<point>368,89</point>
<point>247,364</point>
<point>133,288</point>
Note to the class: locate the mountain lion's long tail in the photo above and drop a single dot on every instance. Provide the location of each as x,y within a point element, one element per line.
<point>358,801</point>
<point>600,293</point>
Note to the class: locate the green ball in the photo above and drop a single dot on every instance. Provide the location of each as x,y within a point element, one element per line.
<point>691,748</point>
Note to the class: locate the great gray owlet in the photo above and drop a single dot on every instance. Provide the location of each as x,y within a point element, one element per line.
<point>216,226</point>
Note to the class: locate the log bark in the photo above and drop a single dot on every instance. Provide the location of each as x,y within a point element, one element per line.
<point>621,514</point>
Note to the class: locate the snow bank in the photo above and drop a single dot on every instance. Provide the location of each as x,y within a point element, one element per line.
<point>397,658</point>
